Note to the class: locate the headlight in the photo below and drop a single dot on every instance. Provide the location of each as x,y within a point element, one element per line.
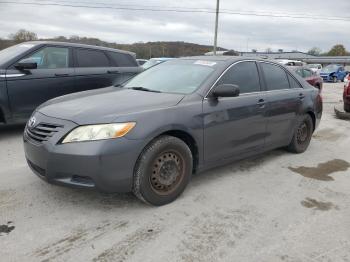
<point>98,132</point>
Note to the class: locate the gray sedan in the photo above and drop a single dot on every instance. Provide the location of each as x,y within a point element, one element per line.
<point>183,116</point>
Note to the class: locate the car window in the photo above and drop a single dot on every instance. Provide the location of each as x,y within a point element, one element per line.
<point>245,75</point>
<point>51,57</point>
<point>91,58</point>
<point>307,73</point>
<point>121,59</point>
<point>299,72</point>
<point>294,83</point>
<point>275,76</point>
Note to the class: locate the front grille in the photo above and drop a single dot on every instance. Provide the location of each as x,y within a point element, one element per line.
<point>42,132</point>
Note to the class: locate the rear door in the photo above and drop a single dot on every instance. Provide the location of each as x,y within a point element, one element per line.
<point>53,77</point>
<point>235,125</point>
<point>93,69</point>
<point>284,103</point>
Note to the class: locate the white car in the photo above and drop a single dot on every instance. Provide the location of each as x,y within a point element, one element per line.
<point>316,68</point>
<point>288,62</point>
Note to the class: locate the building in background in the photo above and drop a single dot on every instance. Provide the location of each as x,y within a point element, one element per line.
<point>310,59</point>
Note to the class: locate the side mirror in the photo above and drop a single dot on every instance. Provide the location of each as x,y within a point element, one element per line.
<point>225,90</point>
<point>26,64</point>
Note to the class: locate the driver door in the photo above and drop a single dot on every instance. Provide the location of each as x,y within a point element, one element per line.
<point>236,126</point>
<point>53,77</point>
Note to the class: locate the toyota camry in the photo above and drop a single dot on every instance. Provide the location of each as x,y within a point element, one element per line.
<point>184,116</point>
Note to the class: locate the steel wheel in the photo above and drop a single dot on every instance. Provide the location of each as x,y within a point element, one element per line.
<point>302,133</point>
<point>163,170</point>
<point>167,172</point>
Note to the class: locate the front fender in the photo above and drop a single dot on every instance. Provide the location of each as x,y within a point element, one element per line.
<point>185,117</point>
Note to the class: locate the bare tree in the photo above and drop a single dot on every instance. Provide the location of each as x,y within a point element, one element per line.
<point>23,35</point>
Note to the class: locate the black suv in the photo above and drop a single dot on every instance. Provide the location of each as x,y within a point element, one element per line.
<point>34,72</point>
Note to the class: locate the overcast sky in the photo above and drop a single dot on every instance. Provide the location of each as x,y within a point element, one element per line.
<point>235,31</point>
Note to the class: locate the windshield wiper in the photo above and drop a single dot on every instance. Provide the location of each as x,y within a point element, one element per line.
<point>140,88</point>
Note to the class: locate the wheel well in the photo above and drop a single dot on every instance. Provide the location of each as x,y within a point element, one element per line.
<point>190,142</point>
<point>313,117</point>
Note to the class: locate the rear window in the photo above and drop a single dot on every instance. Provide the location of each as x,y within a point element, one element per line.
<point>275,76</point>
<point>91,58</point>
<point>121,59</point>
<point>307,73</point>
<point>293,83</point>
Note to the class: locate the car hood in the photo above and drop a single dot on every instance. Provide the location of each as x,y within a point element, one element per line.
<point>105,105</point>
<point>327,73</point>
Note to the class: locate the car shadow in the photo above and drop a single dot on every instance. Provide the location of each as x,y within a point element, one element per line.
<point>237,167</point>
<point>10,131</point>
<point>98,201</point>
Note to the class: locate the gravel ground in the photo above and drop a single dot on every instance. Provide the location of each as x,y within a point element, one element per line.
<point>274,207</point>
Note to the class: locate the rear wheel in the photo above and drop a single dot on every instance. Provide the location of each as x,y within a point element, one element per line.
<point>163,171</point>
<point>302,135</point>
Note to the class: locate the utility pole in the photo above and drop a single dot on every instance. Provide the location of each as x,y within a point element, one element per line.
<point>216,25</point>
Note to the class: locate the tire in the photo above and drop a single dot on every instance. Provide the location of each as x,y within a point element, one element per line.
<point>162,171</point>
<point>347,108</point>
<point>335,79</point>
<point>302,135</point>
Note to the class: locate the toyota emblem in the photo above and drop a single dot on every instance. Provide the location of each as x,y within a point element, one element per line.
<point>31,122</point>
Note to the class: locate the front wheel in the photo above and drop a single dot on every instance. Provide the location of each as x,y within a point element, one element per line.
<point>302,135</point>
<point>162,171</point>
<point>335,79</point>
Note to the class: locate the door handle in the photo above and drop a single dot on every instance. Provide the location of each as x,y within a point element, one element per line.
<point>261,103</point>
<point>57,74</point>
<point>113,72</point>
<point>301,96</point>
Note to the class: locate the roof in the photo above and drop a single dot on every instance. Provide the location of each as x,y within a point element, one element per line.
<point>80,45</point>
<point>213,58</point>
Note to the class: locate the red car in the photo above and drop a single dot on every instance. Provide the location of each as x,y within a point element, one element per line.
<point>311,77</point>
<point>346,94</point>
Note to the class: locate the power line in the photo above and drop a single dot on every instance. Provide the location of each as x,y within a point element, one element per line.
<point>178,10</point>
<point>193,8</point>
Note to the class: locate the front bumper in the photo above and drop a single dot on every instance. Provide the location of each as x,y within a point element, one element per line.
<point>106,165</point>
<point>327,78</point>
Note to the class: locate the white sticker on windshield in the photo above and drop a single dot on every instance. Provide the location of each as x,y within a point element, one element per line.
<point>26,45</point>
<point>206,63</point>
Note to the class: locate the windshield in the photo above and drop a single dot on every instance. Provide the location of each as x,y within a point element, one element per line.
<point>181,76</point>
<point>330,68</point>
<point>8,53</point>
